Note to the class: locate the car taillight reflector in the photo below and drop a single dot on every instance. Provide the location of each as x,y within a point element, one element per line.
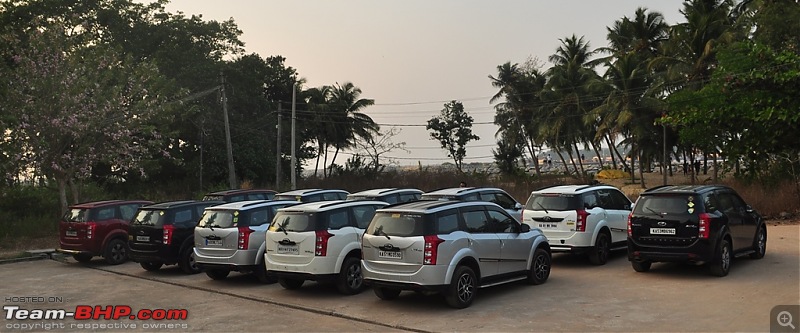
<point>90,228</point>
<point>168,230</point>
<point>431,250</point>
<point>321,243</point>
<point>580,224</point>
<point>244,237</point>
<point>704,229</point>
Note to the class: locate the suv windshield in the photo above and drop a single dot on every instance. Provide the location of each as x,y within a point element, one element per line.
<point>214,197</point>
<point>149,217</point>
<point>670,204</point>
<point>76,215</point>
<point>292,221</point>
<point>396,224</point>
<point>553,201</point>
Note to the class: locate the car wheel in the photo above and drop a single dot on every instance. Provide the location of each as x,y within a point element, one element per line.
<point>599,253</point>
<point>261,274</point>
<point>386,294</point>
<point>540,267</point>
<point>116,252</point>
<point>641,266</point>
<point>760,244</point>
<point>350,280</point>
<point>82,257</point>
<point>462,289</point>
<point>151,266</point>
<point>218,274</point>
<point>290,284</point>
<point>187,263</point>
<point>721,264</point>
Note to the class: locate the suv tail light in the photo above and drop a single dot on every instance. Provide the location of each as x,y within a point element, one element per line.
<point>630,227</point>
<point>704,229</point>
<point>168,230</point>
<point>90,229</point>
<point>431,250</point>
<point>244,237</point>
<point>522,215</point>
<point>321,243</point>
<point>580,224</point>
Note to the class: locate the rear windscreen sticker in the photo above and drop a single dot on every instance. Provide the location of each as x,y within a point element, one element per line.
<point>691,199</point>
<point>690,204</point>
<point>691,210</point>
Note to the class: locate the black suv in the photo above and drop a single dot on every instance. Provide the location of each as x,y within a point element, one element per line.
<point>698,224</point>
<point>240,195</point>
<point>163,234</point>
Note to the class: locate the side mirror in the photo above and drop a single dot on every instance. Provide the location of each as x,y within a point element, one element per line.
<point>517,206</point>
<point>524,228</point>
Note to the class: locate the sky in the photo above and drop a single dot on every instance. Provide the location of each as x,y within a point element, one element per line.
<point>413,56</point>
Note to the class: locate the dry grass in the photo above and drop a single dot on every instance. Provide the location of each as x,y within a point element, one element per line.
<point>14,247</point>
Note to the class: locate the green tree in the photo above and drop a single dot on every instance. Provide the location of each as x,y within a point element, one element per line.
<point>79,104</point>
<point>453,129</point>
<point>349,123</point>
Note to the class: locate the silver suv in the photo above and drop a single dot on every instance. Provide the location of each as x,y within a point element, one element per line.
<point>230,237</point>
<point>388,195</point>
<point>319,241</point>
<point>450,247</point>
<point>488,194</point>
<point>312,195</point>
<point>589,219</point>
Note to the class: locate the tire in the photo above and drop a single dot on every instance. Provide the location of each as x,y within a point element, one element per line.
<point>218,274</point>
<point>540,267</point>
<point>386,294</point>
<point>151,266</point>
<point>116,252</point>
<point>760,244</point>
<point>261,274</point>
<point>721,264</point>
<point>350,281</point>
<point>82,257</point>
<point>641,266</point>
<point>290,284</point>
<point>600,250</point>
<point>461,291</point>
<point>187,262</point>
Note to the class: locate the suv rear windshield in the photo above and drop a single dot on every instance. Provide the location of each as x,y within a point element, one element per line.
<point>553,201</point>
<point>293,221</point>
<point>397,224</point>
<point>76,215</point>
<point>287,197</point>
<point>235,218</point>
<point>149,218</point>
<point>670,204</point>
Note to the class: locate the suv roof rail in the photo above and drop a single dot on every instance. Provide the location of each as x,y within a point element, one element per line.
<point>655,188</point>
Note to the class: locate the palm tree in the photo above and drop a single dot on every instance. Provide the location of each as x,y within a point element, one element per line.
<point>319,117</point>
<point>567,91</point>
<point>345,107</point>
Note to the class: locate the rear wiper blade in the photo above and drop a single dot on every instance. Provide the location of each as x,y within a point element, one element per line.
<point>540,205</point>
<point>282,226</point>
<point>653,210</point>
<point>379,231</point>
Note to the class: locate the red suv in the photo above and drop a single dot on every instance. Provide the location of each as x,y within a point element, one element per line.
<point>98,229</point>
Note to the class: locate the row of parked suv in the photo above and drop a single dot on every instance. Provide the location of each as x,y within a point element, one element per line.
<point>452,241</point>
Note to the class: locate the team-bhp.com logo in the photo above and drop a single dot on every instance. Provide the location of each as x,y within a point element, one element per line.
<point>87,312</point>
<point>97,312</point>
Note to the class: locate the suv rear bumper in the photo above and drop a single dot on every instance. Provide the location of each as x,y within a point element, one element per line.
<point>74,252</point>
<point>303,276</point>
<point>569,248</point>
<point>164,254</point>
<point>228,267</point>
<point>699,252</point>
<point>404,285</point>
<point>238,258</point>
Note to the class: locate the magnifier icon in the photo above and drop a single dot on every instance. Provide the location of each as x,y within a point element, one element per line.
<point>785,319</point>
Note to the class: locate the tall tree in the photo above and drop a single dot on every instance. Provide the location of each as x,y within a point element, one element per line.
<point>453,129</point>
<point>349,123</point>
<point>79,104</point>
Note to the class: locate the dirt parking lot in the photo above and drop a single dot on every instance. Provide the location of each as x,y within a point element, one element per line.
<point>577,297</point>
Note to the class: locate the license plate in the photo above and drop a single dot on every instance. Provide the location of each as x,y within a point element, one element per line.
<point>72,233</point>
<point>142,238</point>
<point>548,225</point>
<point>390,254</point>
<point>214,242</point>
<point>288,249</point>
<point>662,231</point>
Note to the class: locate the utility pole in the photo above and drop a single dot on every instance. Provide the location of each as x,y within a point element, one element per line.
<point>278,159</point>
<point>664,157</point>
<point>294,159</point>
<point>231,171</point>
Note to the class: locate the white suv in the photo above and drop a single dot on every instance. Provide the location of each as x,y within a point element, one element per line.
<point>450,247</point>
<point>230,237</point>
<point>588,219</point>
<point>319,241</point>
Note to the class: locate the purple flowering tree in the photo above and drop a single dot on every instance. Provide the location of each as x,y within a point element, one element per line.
<point>75,104</point>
